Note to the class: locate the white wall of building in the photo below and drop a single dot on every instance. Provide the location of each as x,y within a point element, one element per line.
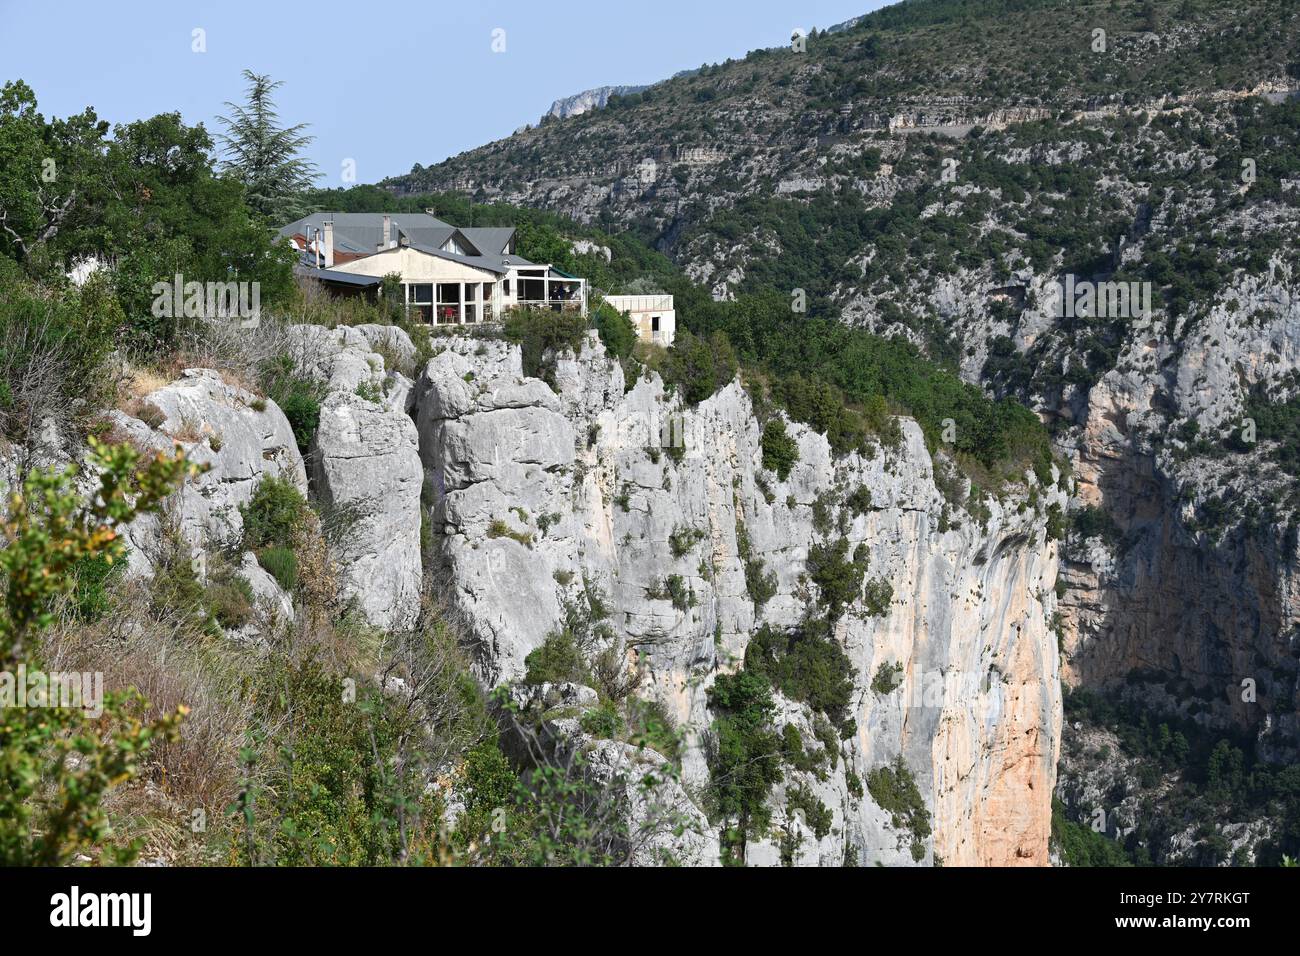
<point>653,315</point>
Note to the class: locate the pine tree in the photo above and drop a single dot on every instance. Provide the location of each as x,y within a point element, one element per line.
<point>265,156</point>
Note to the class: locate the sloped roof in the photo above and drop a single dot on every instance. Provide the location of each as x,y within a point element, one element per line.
<point>498,264</point>
<point>362,232</point>
<point>341,278</point>
<point>489,240</point>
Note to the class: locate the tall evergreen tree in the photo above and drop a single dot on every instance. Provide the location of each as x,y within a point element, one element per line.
<point>264,156</point>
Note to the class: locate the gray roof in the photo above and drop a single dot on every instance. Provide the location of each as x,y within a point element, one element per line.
<point>341,278</point>
<point>489,240</point>
<point>364,232</point>
<point>490,263</point>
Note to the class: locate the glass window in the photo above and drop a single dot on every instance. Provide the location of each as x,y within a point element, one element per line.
<point>421,293</point>
<point>654,323</point>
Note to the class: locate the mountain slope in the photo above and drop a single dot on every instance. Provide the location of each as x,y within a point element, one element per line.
<point>941,171</point>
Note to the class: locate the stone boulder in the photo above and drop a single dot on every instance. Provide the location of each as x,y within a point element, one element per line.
<point>240,437</point>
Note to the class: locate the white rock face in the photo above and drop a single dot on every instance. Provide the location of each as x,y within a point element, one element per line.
<point>538,496</point>
<point>219,425</point>
<point>365,468</point>
<point>267,593</point>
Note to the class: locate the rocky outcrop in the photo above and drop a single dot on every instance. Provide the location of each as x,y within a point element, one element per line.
<point>365,466</point>
<point>580,103</point>
<point>1205,608</point>
<point>240,437</point>
<point>366,474</point>
<point>540,500</point>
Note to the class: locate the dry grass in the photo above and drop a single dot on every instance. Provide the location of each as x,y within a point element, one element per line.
<point>147,641</point>
<point>170,663</point>
<point>142,381</point>
<point>191,431</point>
<point>145,410</point>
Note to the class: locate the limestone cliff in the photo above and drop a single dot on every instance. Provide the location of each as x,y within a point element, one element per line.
<point>538,499</point>
<point>539,494</point>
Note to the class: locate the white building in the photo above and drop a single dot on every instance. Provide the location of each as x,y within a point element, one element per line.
<point>450,276</point>
<point>653,316</point>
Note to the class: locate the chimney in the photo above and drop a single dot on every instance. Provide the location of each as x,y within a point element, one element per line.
<point>329,244</point>
<point>388,232</point>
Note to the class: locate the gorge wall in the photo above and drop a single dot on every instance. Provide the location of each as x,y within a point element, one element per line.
<point>537,498</point>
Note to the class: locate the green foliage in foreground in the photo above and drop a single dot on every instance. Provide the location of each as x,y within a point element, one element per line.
<point>59,762</point>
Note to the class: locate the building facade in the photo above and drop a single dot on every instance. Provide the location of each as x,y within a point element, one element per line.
<point>653,315</point>
<point>449,275</point>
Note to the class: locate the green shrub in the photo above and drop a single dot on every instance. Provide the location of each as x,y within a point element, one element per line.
<point>1056,524</point>
<point>65,339</point>
<point>760,583</point>
<point>894,790</point>
<point>877,594</point>
<point>745,760</point>
<point>336,798</point>
<point>231,602</point>
<point>683,597</point>
<point>282,564</point>
<point>93,576</point>
<point>859,500</point>
<point>299,398</point>
<point>542,335</point>
<point>274,516</point>
<point>649,725</point>
<point>682,540</point>
<point>697,367</point>
<point>838,579</point>
<point>854,784</point>
<point>557,661</point>
<point>888,678</point>
<point>780,451</point>
<point>175,590</point>
<point>806,664</point>
<point>616,331</point>
<point>793,752</point>
<point>497,528</point>
<point>603,721</point>
<point>1094,522</point>
<point>815,813</point>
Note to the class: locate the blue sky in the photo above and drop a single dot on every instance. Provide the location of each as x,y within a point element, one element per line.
<point>384,84</point>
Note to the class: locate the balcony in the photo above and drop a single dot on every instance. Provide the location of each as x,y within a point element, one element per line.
<point>555,305</point>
